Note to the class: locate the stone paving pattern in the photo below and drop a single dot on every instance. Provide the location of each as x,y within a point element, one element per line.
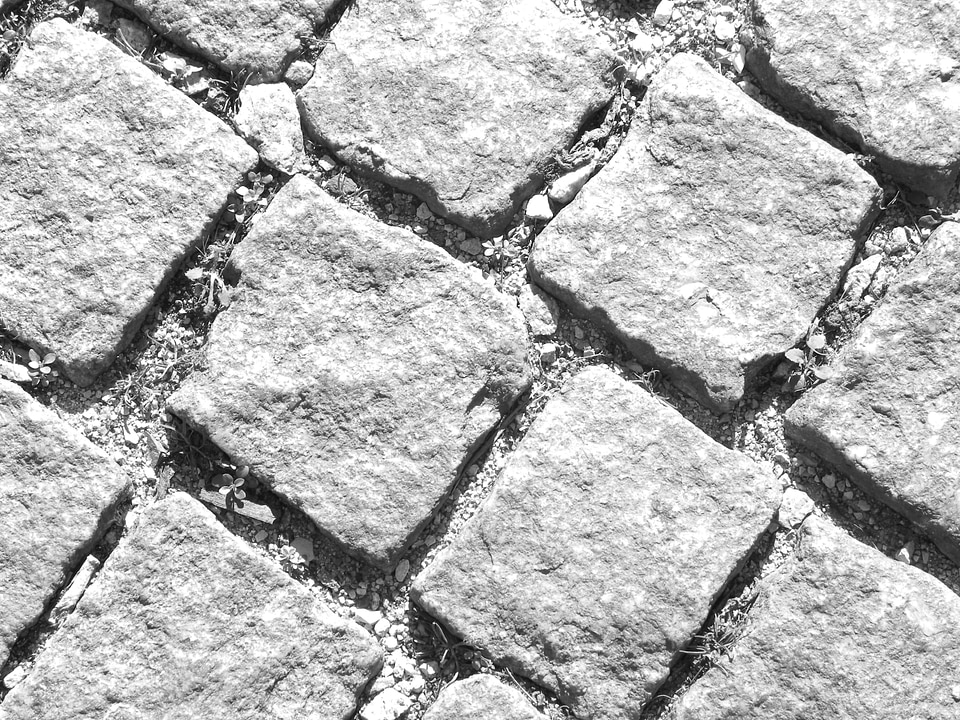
<point>846,633</point>
<point>57,494</point>
<point>891,416</point>
<point>258,39</point>
<point>584,568</point>
<point>110,178</point>
<point>884,75</point>
<point>493,89</point>
<point>690,244</point>
<point>186,621</point>
<point>359,366</point>
<point>355,369</point>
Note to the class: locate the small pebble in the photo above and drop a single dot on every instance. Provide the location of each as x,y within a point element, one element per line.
<point>400,573</point>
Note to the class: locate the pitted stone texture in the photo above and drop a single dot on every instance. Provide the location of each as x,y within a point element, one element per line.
<point>691,244</point>
<point>57,494</point>
<point>891,416</point>
<point>268,118</point>
<point>872,71</point>
<point>242,36</point>
<point>844,633</point>
<point>481,697</point>
<point>186,621</point>
<point>614,527</point>
<point>460,102</point>
<point>355,370</point>
<point>110,177</point>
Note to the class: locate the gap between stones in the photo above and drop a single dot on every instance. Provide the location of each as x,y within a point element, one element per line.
<point>31,643</point>
<point>579,347</point>
<point>133,390</point>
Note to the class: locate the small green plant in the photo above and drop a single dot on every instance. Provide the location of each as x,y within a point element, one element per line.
<point>247,200</point>
<point>808,369</point>
<point>290,559</point>
<point>40,368</point>
<point>500,249</point>
<point>233,485</point>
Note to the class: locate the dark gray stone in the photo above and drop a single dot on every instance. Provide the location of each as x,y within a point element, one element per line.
<point>461,102</point>
<point>356,369</point>
<point>712,238</point>
<point>481,697</point>
<point>884,75</point>
<point>845,632</point>
<point>242,36</point>
<point>186,621</point>
<point>611,532</point>
<point>891,416</point>
<point>57,494</point>
<point>110,177</point>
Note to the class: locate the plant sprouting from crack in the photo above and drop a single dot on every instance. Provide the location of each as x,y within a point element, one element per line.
<point>290,559</point>
<point>40,368</point>
<point>808,365</point>
<point>234,483</point>
<point>249,198</point>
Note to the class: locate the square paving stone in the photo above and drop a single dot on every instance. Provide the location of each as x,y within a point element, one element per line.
<point>187,621</point>
<point>57,495</point>
<point>460,102</point>
<point>712,238</point>
<point>884,75</point>
<point>355,370</point>
<point>844,632</point>
<point>610,534</point>
<point>110,178</point>
<point>891,417</point>
<point>242,36</point>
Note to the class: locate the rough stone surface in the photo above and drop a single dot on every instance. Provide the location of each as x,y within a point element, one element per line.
<point>355,369</point>
<point>870,71</point>
<point>891,416</point>
<point>268,118</point>
<point>110,177</point>
<point>601,549</point>
<point>693,244</point>
<point>57,493</point>
<point>186,621</point>
<point>539,309</point>
<point>457,101</point>
<point>481,697</point>
<point>242,36</point>
<point>846,633</point>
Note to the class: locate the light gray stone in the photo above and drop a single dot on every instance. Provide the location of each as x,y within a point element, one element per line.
<point>135,35</point>
<point>459,102</point>
<point>355,370</point>
<point>110,178</point>
<point>186,620</point>
<point>538,209</point>
<point>870,71</point>
<point>712,238</point>
<point>845,632</point>
<point>539,309</point>
<point>890,418</point>
<point>795,507</point>
<point>565,188</point>
<point>241,36</point>
<point>388,704</point>
<point>57,494</point>
<point>481,697</point>
<point>269,120</point>
<point>612,530</point>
